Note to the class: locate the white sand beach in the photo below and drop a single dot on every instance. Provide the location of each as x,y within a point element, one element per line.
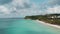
<point>57,26</point>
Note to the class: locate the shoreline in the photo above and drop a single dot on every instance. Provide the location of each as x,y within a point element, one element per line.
<point>56,26</point>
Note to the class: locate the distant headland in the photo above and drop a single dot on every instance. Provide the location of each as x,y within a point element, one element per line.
<point>48,18</point>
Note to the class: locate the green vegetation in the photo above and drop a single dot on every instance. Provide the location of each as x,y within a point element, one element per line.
<point>49,18</point>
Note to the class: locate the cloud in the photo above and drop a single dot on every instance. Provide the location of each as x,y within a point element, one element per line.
<point>55,9</point>
<point>53,2</point>
<point>18,8</point>
<point>21,8</point>
<point>51,6</point>
<point>15,8</point>
<point>4,10</point>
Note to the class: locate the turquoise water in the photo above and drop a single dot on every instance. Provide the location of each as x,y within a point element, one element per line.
<point>22,26</point>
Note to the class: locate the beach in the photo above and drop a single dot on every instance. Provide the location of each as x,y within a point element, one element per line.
<point>57,26</point>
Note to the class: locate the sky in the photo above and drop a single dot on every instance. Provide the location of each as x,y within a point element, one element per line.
<point>22,8</point>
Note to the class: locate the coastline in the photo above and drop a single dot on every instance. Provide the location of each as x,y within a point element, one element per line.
<point>57,26</point>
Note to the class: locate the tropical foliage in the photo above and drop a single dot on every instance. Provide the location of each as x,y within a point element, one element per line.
<point>46,18</point>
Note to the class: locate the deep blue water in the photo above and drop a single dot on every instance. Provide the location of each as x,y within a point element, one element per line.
<point>23,26</point>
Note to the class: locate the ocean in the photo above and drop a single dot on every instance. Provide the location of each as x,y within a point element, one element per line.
<point>25,26</point>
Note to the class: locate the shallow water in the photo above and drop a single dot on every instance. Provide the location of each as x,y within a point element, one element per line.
<point>22,26</point>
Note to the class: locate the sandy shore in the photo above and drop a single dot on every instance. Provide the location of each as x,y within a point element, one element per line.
<point>48,24</point>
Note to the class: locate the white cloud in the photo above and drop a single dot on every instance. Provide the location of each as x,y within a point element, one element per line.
<point>55,9</point>
<point>11,8</point>
<point>22,9</point>
<point>4,10</point>
<point>19,2</point>
<point>18,8</point>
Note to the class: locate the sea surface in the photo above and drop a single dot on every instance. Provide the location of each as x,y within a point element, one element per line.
<point>23,26</point>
